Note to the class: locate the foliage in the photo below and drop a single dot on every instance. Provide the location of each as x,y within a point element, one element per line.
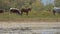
<point>36,5</point>
<point>49,7</point>
<point>57,3</point>
<point>38,9</point>
<point>6,4</point>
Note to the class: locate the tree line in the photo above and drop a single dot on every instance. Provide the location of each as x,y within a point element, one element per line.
<point>34,4</point>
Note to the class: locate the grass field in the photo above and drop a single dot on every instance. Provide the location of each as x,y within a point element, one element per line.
<point>33,15</point>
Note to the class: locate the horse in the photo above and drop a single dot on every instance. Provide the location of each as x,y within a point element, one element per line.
<point>56,10</point>
<point>1,11</point>
<point>14,10</point>
<point>25,10</point>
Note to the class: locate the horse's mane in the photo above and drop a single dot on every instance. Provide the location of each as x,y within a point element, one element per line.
<point>14,8</point>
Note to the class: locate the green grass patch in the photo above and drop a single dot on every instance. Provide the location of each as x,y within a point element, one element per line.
<point>33,15</point>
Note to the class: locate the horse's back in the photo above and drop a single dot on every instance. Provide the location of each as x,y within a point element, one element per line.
<point>56,9</point>
<point>14,9</point>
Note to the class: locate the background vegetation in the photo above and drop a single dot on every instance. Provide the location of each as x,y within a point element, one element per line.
<point>39,10</point>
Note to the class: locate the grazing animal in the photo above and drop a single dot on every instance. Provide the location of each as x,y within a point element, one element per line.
<point>56,10</point>
<point>14,10</point>
<point>25,10</point>
<point>1,11</point>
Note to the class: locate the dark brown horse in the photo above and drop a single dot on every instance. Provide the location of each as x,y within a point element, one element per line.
<point>14,10</point>
<point>25,10</point>
<point>1,11</point>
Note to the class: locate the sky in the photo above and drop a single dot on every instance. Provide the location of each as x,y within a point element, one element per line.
<point>47,1</point>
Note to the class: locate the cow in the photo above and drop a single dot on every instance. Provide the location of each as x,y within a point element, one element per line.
<point>14,10</point>
<point>25,10</point>
<point>56,10</point>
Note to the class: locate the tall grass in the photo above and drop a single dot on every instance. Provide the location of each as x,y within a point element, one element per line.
<point>32,14</point>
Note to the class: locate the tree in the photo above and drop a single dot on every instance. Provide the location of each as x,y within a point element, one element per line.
<point>57,3</point>
<point>37,5</point>
<point>6,4</point>
<point>49,5</point>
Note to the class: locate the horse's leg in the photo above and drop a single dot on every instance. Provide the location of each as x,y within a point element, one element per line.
<point>53,12</point>
<point>18,12</point>
<point>10,12</point>
<point>21,13</point>
<point>27,13</point>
